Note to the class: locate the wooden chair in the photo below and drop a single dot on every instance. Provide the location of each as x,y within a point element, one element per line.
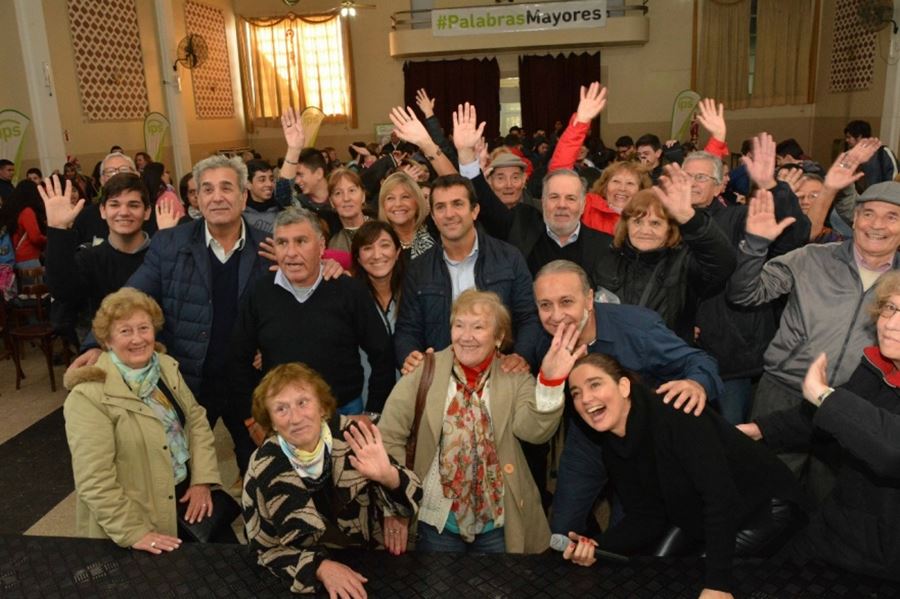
<point>9,347</point>
<point>31,307</point>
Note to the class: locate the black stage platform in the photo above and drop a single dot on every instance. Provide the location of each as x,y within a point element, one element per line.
<point>61,567</point>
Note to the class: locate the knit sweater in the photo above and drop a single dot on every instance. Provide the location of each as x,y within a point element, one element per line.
<point>91,273</point>
<point>325,332</point>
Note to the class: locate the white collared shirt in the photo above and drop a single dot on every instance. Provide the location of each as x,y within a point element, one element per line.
<point>572,238</point>
<point>217,248</point>
<point>301,294</point>
<point>462,272</point>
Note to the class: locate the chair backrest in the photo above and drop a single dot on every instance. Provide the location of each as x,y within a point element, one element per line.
<point>31,285</point>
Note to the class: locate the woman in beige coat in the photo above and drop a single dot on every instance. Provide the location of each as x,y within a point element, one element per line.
<point>478,492</point>
<point>139,441</point>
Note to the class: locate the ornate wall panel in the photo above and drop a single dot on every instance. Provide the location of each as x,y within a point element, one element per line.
<point>855,47</point>
<point>213,96</point>
<point>109,64</point>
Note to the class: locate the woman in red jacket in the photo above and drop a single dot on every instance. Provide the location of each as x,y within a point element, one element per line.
<point>30,235</point>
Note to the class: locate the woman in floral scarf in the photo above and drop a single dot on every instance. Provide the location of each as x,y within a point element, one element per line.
<point>478,492</point>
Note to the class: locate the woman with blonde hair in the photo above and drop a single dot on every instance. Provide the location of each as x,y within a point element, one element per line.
<point>402,205</point>
<point>140,443</point>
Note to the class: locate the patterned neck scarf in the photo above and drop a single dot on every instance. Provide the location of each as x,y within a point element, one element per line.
<point>308,464</point>
<point>144,382</point>
<point>469,466</point>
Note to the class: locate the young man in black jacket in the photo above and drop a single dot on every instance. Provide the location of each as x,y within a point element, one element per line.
<point>75,276</point>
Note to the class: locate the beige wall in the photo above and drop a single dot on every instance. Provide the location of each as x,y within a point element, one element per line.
<point>90,141</point>
<point>14,90</point>
<point>643,81</point>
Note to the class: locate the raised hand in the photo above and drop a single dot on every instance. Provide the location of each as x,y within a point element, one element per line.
<point>564,351</point>
<point>816,379</point>
<point>369,455</point>
<point>674,191</point>
<point>791,176</point>
<point>712,118</point>
<point>842,172</point>
<point>591,103</point>
<point>292,127</point>
<point>761,217</point>
<point>481,151</point>
<point>466,132</point>
<point>166,214</point>
<point>58,205</point>
<point>415,170</point>
<point>761,167</point>
<point>408,127</point>
<point>425,104</point>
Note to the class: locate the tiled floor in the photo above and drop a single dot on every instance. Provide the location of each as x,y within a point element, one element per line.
<point>22,409</point>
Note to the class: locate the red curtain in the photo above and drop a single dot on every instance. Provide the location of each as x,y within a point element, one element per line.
<point>452,82</point>
<point>548,88</point>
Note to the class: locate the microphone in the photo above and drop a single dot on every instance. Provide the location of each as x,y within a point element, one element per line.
<point>561,542</point>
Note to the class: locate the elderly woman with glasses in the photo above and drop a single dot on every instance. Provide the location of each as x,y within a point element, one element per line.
<point>857,527</point>
<point>665,255</point>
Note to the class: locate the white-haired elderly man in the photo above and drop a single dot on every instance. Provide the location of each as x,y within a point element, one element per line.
<point>198,273</point>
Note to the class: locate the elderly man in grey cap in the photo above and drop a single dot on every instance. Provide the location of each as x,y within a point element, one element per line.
<point>829,288</point>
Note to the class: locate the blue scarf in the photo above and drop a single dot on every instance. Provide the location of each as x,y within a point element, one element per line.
<point>144,383</point>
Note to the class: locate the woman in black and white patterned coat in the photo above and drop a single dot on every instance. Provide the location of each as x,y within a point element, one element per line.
<point>318,482</point>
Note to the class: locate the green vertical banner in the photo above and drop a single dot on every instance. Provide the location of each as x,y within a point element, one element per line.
<point>13,125</point>
<point>682,114</point>
<point>156,127</point>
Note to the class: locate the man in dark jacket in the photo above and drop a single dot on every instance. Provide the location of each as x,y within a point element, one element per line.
<point>881,167</point>
<point>640,341</point>
<point>198,273</point>
<point>465,259</point>
<point>737,336</point>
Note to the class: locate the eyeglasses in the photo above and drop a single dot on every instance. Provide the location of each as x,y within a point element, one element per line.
<point>808,196</point>
<point>888,310</point>
<point>109,172</point>
<point>701,177</point>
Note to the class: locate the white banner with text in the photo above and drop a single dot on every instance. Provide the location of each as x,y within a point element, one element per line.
<point>475,20</point>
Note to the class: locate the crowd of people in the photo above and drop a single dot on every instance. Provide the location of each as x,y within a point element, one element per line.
<point>397,343</point>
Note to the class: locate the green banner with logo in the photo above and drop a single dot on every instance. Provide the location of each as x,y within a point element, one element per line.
<point>156,128</point>
<point>13,125</point>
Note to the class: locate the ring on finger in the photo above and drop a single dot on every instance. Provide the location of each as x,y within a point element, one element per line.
<point>153,545</point>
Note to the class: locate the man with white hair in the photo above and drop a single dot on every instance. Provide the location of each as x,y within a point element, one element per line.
<point>553,233</point>
<point>198,274</point>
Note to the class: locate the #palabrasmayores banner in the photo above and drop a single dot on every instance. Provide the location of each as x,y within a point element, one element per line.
<point>518,17</point>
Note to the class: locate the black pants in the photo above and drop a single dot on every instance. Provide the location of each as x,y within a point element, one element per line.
<point>213,397</point>
<point>763,537</point>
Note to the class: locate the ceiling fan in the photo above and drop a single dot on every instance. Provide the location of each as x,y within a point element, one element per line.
<point>348,8</point>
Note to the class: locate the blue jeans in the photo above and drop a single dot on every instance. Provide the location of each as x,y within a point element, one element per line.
<point>429,540</point>
<point>352,407</point>
<point>582,476</point>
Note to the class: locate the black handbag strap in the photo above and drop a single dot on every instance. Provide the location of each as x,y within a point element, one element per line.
<point>168,393</point>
